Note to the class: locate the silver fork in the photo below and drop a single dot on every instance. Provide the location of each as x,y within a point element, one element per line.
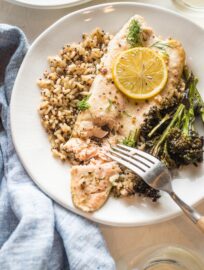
<point>154,173</point>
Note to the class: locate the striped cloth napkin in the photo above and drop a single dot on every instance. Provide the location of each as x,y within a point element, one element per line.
<point>35,232</point>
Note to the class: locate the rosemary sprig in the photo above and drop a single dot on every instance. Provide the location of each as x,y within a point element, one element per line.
<point>161,45</point>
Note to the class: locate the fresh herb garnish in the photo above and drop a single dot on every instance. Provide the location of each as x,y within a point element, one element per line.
<point>110,105</point>
<point>134,30</point>
<point>83,105</point>
<point>130,140</point>
<point>161,45</point>
<point>126,113</point>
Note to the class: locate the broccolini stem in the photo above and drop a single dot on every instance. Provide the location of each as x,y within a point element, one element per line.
<point>166,117</point>
<point>202,113</point>
<point>177,116</point>
<point>186,127</point>
<point>200,100</point>
<point>189,115</point>
<point>188,121</point>
<point>191,83</point>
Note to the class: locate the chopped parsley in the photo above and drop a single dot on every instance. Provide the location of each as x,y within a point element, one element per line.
<point>130,140</point>
<point>134,30</point>
<point>83,105</point>
<point>126,113</point>
<point>110,105</point>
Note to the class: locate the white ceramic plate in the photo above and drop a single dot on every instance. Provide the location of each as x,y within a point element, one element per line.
<point>48,4</point>
<point>31,140</point>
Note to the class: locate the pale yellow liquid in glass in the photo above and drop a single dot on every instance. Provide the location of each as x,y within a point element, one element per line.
<point>165,266</point>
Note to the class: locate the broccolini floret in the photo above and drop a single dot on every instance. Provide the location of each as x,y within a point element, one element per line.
<point>185,149</point>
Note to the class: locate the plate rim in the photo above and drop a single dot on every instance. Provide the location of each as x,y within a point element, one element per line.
<point>161,219</point>
<point>52,6</point>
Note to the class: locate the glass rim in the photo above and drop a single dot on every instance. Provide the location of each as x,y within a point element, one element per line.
<point>189,6</point>
<point>176,254</point>
<point>162,261</point>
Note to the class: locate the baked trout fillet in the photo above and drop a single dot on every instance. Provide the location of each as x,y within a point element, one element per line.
<point>111,117</point>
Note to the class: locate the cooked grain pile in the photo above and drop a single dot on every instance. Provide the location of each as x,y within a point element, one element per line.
<point>68,81</point>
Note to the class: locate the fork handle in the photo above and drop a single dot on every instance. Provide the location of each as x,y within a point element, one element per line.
<point>200,223</point>
<point>189,211</point>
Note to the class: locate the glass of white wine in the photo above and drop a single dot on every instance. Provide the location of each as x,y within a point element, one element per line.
<point>192,4</point>
<point>167,258</point>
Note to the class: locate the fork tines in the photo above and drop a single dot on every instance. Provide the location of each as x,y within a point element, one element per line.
<point>136,160</point>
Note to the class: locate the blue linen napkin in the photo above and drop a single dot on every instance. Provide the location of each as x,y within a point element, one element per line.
<point>35,232</point>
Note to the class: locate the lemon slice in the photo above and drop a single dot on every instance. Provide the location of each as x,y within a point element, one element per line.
<point>140,73</point>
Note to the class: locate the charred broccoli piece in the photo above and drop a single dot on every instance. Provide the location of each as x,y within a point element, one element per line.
<point>158,119</point>
<point>160,145</point>
<point>143,189</point>
<point>170,134</point>
<point>184,149</point>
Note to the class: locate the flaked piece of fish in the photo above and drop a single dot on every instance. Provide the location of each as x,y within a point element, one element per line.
<point>85,150</point>
<point>91,184</point>
<point>108,107</point>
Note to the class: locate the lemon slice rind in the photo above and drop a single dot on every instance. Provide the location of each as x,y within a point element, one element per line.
<point>140,73</point>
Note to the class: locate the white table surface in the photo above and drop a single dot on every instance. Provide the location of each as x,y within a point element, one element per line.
<point>121,241</point>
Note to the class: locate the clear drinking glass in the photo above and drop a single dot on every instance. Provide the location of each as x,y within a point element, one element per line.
<point>167,258</point>
<point>192,4</point>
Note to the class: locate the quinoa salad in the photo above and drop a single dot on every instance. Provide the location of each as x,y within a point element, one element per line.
<point>93,96</point>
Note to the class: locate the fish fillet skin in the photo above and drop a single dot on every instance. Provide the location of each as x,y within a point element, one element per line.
<point>111,108</point>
